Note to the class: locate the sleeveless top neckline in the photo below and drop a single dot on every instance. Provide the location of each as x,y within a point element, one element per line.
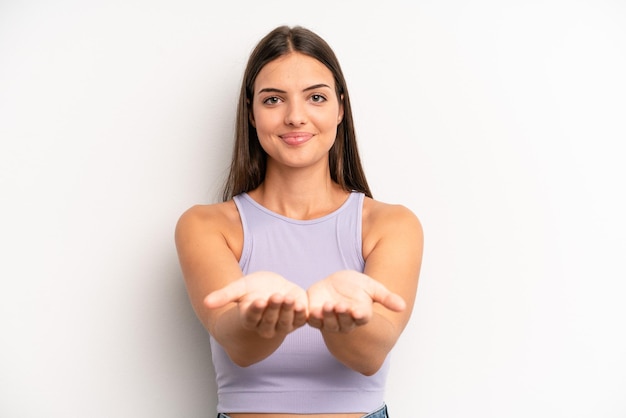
<point>342,207</point>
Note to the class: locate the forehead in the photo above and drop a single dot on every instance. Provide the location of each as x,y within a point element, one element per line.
<point>296,69</point>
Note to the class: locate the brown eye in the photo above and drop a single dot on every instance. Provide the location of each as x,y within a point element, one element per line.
<point>318,98</point>
<point>271,100</point>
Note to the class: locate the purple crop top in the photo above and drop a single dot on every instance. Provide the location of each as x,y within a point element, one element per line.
<point>301,376</point>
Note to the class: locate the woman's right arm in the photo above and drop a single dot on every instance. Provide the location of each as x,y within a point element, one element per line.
<point>249,316</point>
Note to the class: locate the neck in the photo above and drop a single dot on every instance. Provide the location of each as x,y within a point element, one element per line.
<point>299,194</point>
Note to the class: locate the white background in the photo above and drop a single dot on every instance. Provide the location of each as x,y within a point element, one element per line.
<point>499,123</point>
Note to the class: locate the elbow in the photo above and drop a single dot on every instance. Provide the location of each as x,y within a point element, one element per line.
<point>370,367</point>
<point>370,371</point>
<point>242,361</point>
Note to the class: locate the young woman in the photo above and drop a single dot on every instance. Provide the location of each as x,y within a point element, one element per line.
<point>303,281</point>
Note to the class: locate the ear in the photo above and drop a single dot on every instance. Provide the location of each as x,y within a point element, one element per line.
<point>340,115</point>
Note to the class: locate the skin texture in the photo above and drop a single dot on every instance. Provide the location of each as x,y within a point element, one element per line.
<point>360,315</point>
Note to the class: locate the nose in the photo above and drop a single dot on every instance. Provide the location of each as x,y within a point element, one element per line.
<point>296,114</point>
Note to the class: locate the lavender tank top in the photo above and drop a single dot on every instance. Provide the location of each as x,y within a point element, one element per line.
<point>301,376</point>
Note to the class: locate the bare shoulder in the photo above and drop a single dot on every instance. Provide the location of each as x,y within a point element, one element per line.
<point>208,217</point>
<point>208,222</point>
<point>379,217</point>
<point>384,221</point>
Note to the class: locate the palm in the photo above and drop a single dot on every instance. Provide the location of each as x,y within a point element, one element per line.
<point>267,302</point>
<point>340,302</point>
<point>344,289</point>
<point>262,286</point>
<point>345,299</point>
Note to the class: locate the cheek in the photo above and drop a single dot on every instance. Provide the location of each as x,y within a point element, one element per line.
<point>329,124</point>
<point>265,121</point>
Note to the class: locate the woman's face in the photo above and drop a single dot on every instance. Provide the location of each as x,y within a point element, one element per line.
<point>295,111</point>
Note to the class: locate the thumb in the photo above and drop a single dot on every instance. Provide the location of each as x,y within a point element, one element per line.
<point>229,293</point>
<point>385,297</point>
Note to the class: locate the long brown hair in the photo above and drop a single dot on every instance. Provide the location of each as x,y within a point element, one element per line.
<point>248,165</point>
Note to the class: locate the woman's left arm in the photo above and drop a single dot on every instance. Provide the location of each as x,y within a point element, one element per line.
<point>361,316</point>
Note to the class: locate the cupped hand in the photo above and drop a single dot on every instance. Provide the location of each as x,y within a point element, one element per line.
<point>344,300</point>
<point>268,303</point>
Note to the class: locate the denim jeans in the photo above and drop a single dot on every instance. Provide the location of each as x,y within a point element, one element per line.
<point>379,413</point>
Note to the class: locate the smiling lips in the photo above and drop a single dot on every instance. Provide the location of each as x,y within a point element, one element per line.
<point>296,138</point>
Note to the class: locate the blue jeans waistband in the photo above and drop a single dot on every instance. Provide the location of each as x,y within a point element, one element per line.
<point>379,413</point>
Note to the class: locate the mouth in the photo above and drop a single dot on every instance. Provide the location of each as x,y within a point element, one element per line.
<point>296,138</point>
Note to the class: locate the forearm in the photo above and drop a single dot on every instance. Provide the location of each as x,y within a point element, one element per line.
<point>365,348</point>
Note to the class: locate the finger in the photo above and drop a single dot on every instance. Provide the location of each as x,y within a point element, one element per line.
<point>252,313</point>
<point>229,293</point>
<point>315,322</point>
<point>345,319</point>
<point>286,317</point>
<point>300,308</point>
<point>316,317</point>
<point>330,322</point>
<point>360,317</point>
<point>314,313</point>
<point>267,325</point>
<point>301,301</point>
<point>380,294</point>
<point>299,318</point>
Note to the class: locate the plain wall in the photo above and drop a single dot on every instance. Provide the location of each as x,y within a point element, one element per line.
<point>501,124</point>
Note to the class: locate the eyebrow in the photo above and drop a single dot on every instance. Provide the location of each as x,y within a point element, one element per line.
<point>275,90</point>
